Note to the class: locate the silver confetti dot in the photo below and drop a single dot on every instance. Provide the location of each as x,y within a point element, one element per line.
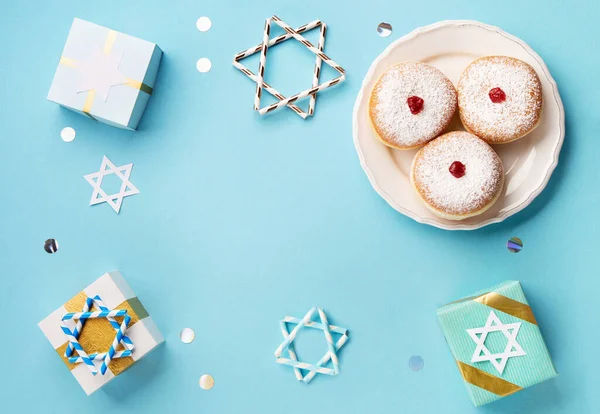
<point>67,134</point>
<point>203,65</point>
<point>187,335</point>
<point>206,382</point>
<point>416,363</point>
<point>514,245</point>
<point>384,29</point>
<point>51,246</point>
<point>203,24</point>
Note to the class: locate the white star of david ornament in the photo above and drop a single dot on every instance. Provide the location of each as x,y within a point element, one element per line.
<point>114,200</point>
<point>510,331</point>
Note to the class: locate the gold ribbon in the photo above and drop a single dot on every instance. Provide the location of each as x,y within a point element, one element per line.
<point>111,37</point>
<point>139,85</point>
<point>109,42</point>
<point>507,305</point>
<point>97,334</point>
<point>67,62</point>
<point>488,382</point>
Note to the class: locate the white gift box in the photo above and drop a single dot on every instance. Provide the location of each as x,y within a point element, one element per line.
<point>98,334</point>
<point>106,75</point>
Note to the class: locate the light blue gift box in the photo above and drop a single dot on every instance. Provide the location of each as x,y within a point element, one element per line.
<point>138,62</point>
<point>484,382</point>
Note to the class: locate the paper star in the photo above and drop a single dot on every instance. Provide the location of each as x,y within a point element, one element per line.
<point>493,324</point>
<point>114,200</point>
<point>319,367</point>
<point>76,320</point>
<point>100,72</point>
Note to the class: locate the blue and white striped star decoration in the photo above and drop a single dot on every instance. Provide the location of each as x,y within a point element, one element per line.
<point>331,355</point>
<point>73,335</point>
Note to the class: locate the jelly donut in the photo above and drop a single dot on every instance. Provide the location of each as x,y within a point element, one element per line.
<point>499,99</point>
<point>411,104</point>
<point>457,175</point>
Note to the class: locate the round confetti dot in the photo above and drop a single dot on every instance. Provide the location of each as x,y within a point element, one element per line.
<point>51,246</point>
<point>203,65</point>
<point>67,134</point>
<point>416,363</point>
<point>514,245</point>
<point>187,335</point>
<point>206,382</point>
<point>203,24</point>
<point>384,29</point>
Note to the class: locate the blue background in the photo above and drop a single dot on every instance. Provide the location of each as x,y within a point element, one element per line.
<point>242,220</point>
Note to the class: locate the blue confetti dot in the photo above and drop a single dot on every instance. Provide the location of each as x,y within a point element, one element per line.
<point>416,363</point>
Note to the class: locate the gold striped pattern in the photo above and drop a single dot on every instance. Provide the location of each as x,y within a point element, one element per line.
<point>111,37</point>
<point>507,305</point>
<point>487,381</point>
<point>67,61</point>
<point>89,100</point>
<point>97,334</point>
<point>139,85</point>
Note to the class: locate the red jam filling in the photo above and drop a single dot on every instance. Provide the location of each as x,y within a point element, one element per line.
<point>497,95</point>
<point>415,104</point>
<point>457,169</point>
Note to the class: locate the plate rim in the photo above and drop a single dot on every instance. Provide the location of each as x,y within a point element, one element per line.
<point>432,222</point>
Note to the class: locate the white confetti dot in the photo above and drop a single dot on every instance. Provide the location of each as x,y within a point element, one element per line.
<point>203,65</point>
<point>67,134</point>
<point>187,335</point>
<point>203,24</point>
<point>206,382</point>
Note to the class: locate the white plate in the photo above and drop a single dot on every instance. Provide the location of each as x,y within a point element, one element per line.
<point>451,46</point>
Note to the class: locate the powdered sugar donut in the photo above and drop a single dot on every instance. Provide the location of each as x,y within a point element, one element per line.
<point>457,175</point>
<point>411,104</point>
<point>500,99</point>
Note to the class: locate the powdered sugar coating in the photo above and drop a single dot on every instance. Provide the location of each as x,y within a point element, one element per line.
<point>390,114</point>
<point>451,197</point>
<point>502,122</point>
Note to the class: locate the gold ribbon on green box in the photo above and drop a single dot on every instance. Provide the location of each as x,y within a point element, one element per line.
<point>486,381</point>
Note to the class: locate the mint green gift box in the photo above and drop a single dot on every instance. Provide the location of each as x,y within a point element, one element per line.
<point>496,342</point>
